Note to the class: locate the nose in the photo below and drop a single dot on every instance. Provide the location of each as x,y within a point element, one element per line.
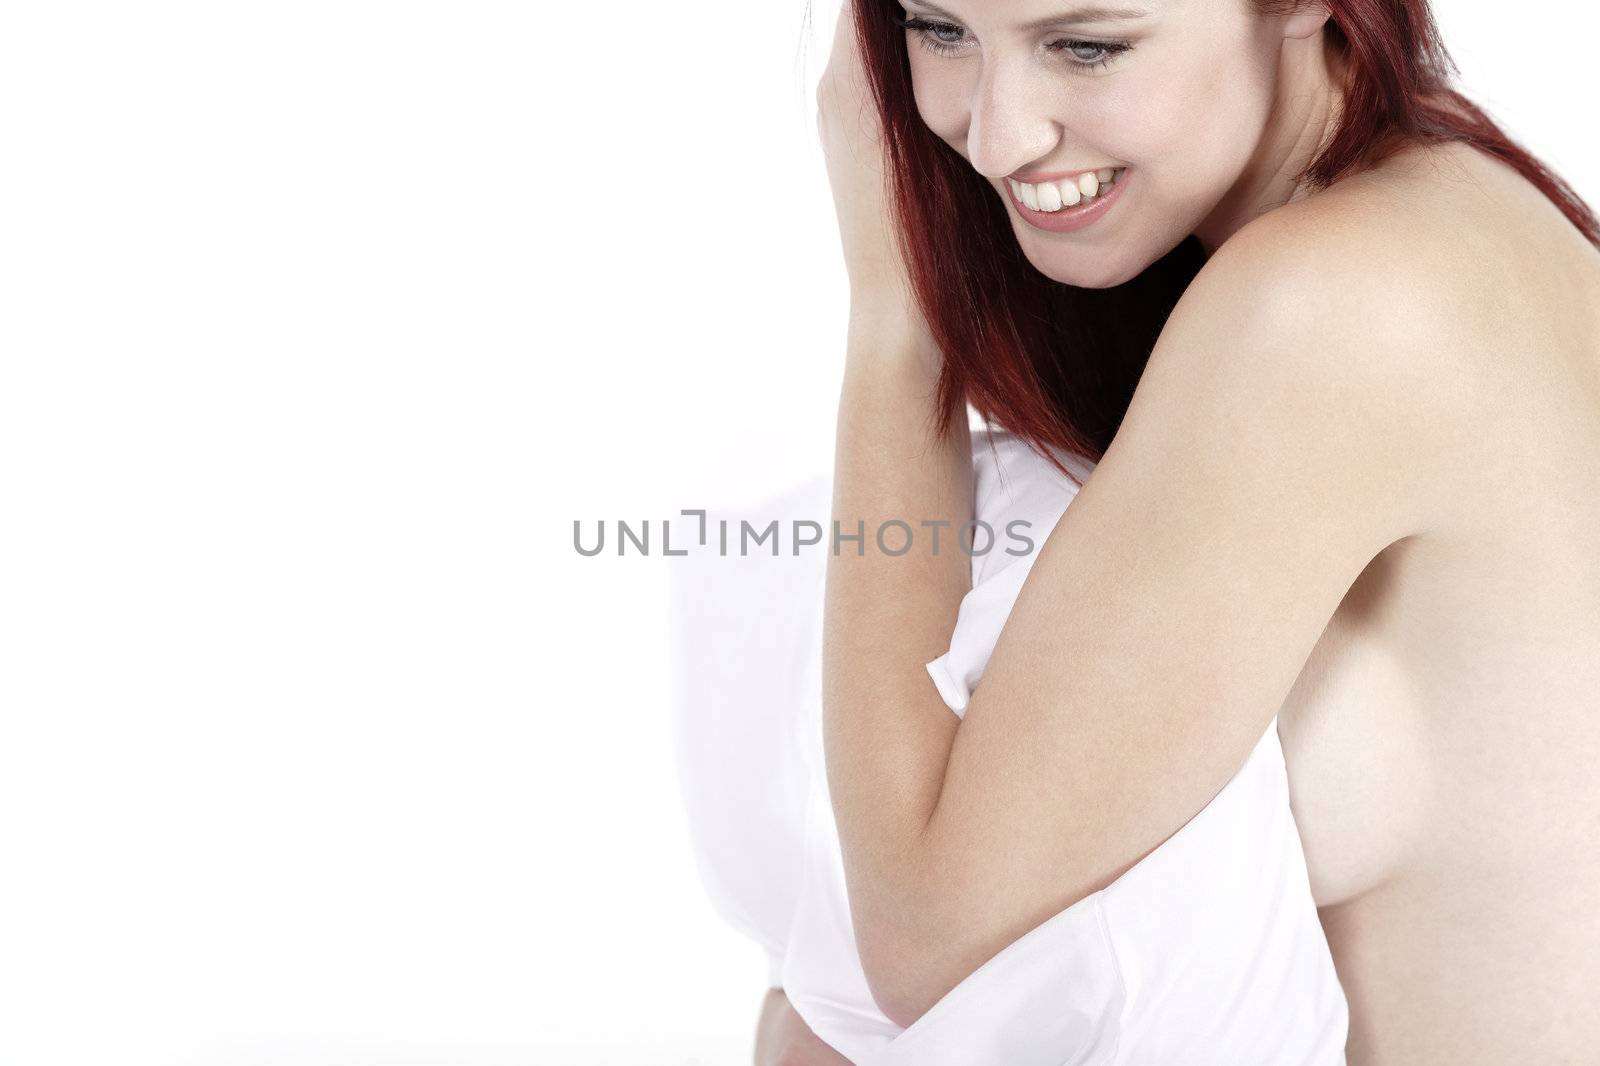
<point>1012,121</point>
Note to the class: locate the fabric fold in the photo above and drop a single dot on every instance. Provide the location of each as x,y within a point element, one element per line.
<point>1207,952</point>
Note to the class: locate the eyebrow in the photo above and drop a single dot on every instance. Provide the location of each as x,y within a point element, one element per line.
<point>1085,13</point>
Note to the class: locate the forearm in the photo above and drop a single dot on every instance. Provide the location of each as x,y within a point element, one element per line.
<point>767,1024</point>
<point>784,1039</point>
<point>887,733</point>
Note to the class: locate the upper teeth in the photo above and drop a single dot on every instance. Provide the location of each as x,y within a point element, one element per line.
<point>1054,195</point>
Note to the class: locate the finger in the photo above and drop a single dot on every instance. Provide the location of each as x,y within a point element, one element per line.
<point>844,91</point>
<point>844,29</point>
<point>845,56</point>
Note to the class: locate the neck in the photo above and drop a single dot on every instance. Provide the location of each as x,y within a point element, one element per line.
<point>1304,114</point>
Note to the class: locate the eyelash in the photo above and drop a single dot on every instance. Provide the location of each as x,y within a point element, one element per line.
<point>924,29</point>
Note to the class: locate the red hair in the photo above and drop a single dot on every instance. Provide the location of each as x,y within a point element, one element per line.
<point>1057,364</point>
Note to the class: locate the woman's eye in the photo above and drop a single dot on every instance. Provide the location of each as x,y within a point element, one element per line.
<point>941,38</point>
<point>946,39</point>
<point>1091,54</point>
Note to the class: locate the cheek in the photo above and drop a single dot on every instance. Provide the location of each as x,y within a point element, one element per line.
<point>941,100</point>
<point>1190,121</point>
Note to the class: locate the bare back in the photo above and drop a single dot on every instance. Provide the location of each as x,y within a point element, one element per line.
<point>1443,740</point>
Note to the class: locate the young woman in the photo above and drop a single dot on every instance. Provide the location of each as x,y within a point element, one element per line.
<point>1331,343</point>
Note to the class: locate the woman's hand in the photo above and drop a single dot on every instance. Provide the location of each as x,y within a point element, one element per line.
<point>784,1039</point>
<point>852,143</point>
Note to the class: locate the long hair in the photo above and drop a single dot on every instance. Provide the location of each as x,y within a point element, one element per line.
<point>1057,364</point>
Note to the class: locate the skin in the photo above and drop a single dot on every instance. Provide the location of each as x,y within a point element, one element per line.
<point>1006,101</point>
<point>1378,405</point>
<point>1443,737</point>
<point>784,1039</point>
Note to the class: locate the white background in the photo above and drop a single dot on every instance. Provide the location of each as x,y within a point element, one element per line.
<point>320,324</point>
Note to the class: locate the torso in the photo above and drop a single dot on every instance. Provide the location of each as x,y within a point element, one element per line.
<point>1443,740</point>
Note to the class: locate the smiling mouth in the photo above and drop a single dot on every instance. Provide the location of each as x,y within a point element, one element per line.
<point>1052,196</point>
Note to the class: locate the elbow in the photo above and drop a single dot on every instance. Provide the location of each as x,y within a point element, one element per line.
<point>899,980</point>
<point>911,938</point>
<point>910,963</point>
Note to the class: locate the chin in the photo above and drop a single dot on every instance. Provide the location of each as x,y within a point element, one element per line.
<point>1089,268</point>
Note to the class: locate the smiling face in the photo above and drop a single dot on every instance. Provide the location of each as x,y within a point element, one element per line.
<point>1176,97</point>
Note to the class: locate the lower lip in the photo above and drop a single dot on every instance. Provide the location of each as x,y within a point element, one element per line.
<point>1069,219</point>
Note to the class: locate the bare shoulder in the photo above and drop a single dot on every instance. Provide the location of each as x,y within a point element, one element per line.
<point>1356,286</point>
<point>1428,289</point>
<point>1434,247</point>
<point>1379,255</point>
<point>1351,309</point>
<point>1431,255</point>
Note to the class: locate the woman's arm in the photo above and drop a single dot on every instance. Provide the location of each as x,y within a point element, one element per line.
<point>886,732</point>
<point>887,735</point>
<point>1275,444</point>
<point>1272,448</point>
<point>784,1039</point>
